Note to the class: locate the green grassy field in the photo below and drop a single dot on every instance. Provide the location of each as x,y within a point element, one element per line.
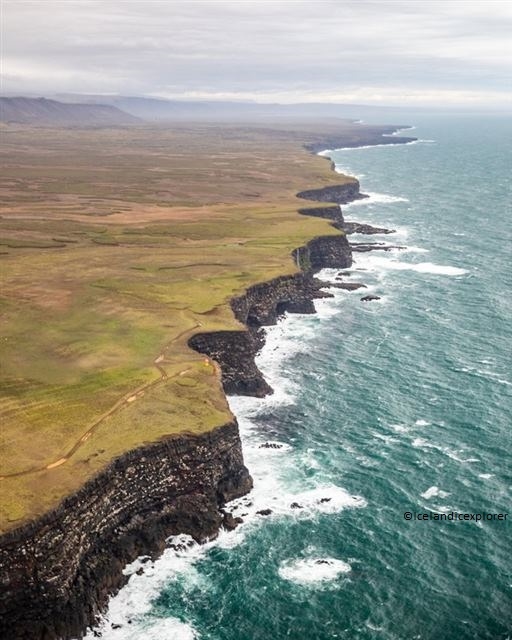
<point>116,245</point>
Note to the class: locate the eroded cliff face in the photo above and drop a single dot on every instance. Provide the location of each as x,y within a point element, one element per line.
<point>58,572</point>
<point>262,305</point>
<point>339,193</point>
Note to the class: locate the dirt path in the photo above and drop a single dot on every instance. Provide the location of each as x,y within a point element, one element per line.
<point>127,398</point>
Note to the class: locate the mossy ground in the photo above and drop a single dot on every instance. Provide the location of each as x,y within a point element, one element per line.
<point>116,245</point>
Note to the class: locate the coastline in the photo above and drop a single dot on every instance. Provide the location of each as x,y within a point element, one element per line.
<point>338,418</point>
<point>65,594</point>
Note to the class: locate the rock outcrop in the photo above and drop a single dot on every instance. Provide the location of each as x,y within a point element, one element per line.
<point>339,193</point>
<point>58,572</point>
<point>261,305</point>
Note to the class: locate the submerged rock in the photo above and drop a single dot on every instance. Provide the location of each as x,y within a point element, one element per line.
<point>349,286</point>
<point>230,522</point>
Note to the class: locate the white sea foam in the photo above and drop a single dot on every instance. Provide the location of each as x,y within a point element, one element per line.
<point>384,437</point>
<point>273,497</point>
<point>164,629</point>
<point>434,492</point>
<point>391,262</point>
<point>454,454</point>
<point>313,571</point>
<point>485,373</point>
<point>399,132</point>
<point>376,146</point>
<point>168,628</point>
<point>125,619</point>
<point>422,423</point>
<point>273,469</point>
<point>375,198</point>
<point>413,249</point>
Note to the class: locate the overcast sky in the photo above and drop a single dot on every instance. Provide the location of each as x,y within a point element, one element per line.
<point>360,51</point>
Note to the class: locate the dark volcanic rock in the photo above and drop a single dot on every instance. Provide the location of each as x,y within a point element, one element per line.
<point>339,193</point>
<point>363,247</point>
<point>263,304</point>
<point>349,286</point>
<point>230,522</point>
<point>325,252</point>
<point>332,212</point>
<point>235,352</point>
<point>367,229</point>
<point>58,571</point>
<point>369,298</point>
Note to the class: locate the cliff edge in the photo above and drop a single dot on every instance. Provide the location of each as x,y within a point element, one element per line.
<point>58,571</point>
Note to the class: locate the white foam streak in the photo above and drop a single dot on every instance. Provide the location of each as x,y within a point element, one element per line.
<point>434,492</point>
<point>279,491</point>
<point>425,445</point>
<point>390,262</point>
<point>312,571</point>
<point>125,617</point>
<point>375,198</point>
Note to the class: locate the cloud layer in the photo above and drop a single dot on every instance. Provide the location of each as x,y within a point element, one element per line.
<point>381,52</point>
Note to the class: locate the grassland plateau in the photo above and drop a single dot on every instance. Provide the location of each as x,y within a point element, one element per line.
<point>117,245</point>
<point>119,248</point>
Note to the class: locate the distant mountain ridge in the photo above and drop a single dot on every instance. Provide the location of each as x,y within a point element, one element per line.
<point>161,109</point>
<point>43,111</point>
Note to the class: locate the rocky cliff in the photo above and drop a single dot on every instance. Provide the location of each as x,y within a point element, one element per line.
<point>339,193</point>
<point>261,305</point>
<point>58,572</point>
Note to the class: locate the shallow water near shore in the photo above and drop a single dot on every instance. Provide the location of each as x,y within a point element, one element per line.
<point>398,405</point>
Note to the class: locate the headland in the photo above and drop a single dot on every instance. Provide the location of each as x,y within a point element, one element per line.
<point>155,241</point>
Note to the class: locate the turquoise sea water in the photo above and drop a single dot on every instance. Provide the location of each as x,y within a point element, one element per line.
<point>398,405</point>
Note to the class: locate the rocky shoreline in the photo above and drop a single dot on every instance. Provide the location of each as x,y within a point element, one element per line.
<point>58,572</point>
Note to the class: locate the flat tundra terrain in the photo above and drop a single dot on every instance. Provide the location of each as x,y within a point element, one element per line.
<point>117,245</point>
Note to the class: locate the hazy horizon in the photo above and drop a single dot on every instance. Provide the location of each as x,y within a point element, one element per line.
<point>393,53</point>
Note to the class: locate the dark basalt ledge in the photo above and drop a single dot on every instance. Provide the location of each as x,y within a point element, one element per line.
<point>339,193</point>
<point>58,571</point>
<point>262,304</point>
<point>365,229</point>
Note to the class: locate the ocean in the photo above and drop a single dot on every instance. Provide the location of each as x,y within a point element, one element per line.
<point>383,410</point>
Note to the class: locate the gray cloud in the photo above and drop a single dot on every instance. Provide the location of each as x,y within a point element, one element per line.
<point>377,51</point>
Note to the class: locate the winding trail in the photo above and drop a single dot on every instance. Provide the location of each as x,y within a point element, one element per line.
<point>124,400</point>
<point>133,395</point>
